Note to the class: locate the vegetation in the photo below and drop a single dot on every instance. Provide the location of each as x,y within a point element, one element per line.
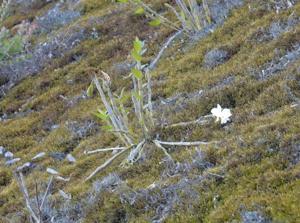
<point>191,18</point>
<point>9,46</point>
<point>135,138</point>
<point>256,162</point>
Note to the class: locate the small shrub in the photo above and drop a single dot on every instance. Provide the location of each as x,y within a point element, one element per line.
<point>9,46</point>
<point>191,16</point>
<point>134,129</point>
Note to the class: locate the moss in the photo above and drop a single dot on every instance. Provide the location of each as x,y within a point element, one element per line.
<point>107,209</point>
<point>256,153</point>
<point>5,177</point>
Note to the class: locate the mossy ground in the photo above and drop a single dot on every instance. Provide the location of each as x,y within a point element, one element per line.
<point>257,150</point>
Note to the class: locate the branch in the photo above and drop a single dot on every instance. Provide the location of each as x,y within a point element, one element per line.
<point>46,192</point>
<point>38,201</point>
<point>162,50</point>
<point>104,165</point>
<point>156,142</point>
<point>21,182</point>
<point>135,153</point>
<point>197,143</point>
<point>104,150</point>
<point>215,175</point>
<point>152,66</point>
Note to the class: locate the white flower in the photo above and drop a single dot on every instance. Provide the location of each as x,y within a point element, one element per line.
<point>221,114</point>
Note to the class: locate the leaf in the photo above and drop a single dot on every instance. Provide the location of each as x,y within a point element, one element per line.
<point>136,56</point>
<point>137,96</point>
<point>155,22</point>
<point>138,45</point>
<point>90,90</point>
<point>102,115</point>
<point>122,1</point>
<point>107,127</point>
<point>139,11</point>
<point>137,73</point>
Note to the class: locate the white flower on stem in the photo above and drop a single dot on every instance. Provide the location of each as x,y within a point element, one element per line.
<point>222,115</point>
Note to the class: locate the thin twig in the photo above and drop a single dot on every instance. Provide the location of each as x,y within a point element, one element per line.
<point>46,192</point>
<point>153,65</point>
<point>216,175</point>
<point>22,185</point>
<point>156,142</point>
<point>162,50</point>
<point>38,201</point>
<point>104,165</point>
<point>135,153</point>
<point>103,150</point>
<point>197,143</point>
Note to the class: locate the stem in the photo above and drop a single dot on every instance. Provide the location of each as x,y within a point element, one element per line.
<point>111,114</point>
<point>46,192</point>
<point>135,154</point>
<point>164,47</point>
<point>152,66</point>
<point>20,179</point>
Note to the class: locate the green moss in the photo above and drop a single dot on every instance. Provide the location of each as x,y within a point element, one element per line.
<point>256,151</point>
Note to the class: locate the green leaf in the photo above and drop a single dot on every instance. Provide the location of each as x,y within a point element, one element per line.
<point>122,1</point>
<point>138,45</point>
<point>137,73</point>
<point>107,127</point>
<point>136,56</point>
<point>139,11</point>
<point>182,15</point>
<point>90,90</point>
<point>155,22</point>
<point>137,96</point>
<point>102,115</point>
